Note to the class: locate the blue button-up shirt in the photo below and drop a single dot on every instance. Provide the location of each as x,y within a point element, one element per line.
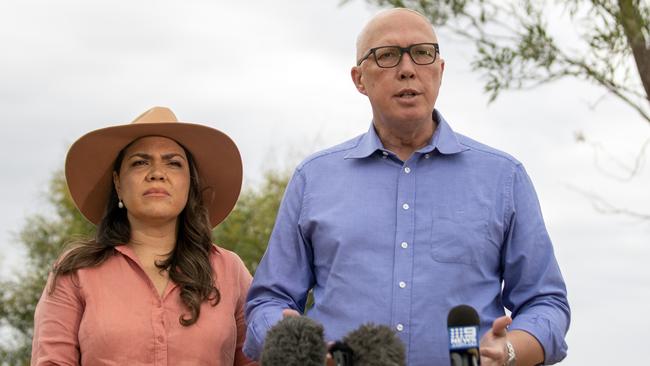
<point>402,242</point>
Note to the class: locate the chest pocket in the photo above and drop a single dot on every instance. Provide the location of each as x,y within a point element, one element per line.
<point>458,234</point>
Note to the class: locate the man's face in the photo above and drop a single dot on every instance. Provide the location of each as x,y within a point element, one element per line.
<point>406,93</point>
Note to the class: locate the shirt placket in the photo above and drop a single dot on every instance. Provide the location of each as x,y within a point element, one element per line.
<point>403,267</point>
<point>159,332</point>
<point>160,338</point>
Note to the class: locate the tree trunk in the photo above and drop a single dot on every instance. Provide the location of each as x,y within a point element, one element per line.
<point>633,25</point>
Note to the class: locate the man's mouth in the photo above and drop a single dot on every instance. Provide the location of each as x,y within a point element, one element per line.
<point>407,93</point>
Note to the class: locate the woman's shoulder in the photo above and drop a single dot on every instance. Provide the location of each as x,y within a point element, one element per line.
<point>74,271</point>
<point>224,260</point>
<point>77,258</point>
<point>224,256</point>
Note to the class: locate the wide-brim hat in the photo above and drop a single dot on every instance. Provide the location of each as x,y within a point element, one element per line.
<point>90,160</point>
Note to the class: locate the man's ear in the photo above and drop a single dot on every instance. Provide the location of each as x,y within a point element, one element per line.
<point>442,71</point>
<point>358,80</point>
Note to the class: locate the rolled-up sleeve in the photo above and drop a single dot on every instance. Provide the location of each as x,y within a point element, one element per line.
<point>285,273</point>
<point>534,290</point>
<point>56,324</point>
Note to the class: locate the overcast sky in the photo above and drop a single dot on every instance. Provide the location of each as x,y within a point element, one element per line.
<point>274,75</point>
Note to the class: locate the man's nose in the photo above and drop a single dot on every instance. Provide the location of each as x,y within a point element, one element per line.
<point>406,67</point>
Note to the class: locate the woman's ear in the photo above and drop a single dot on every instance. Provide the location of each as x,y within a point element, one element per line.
<point>116,183</point>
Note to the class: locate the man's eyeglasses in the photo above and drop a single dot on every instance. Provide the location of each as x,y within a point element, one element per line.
<point>390,56</point>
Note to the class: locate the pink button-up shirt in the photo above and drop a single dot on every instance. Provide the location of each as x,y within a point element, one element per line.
<point>112,314</point>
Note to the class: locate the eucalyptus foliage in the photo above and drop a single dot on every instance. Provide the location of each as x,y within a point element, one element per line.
<point>248,228</point>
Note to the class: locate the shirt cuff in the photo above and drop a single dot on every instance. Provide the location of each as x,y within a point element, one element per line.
<point>256,331</point>
<point>547,334</point>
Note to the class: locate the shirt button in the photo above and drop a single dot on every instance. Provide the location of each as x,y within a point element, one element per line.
<point>405,245</point>
<point>407,170</point>
<point>402,284</point>
<point>399,327</point>
<point>405,206</point>
<point>161,339</point>
<point>385,154</point>
<point>426,156</point>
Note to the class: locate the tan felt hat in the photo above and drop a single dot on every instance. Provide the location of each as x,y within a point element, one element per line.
<point>89,164</point>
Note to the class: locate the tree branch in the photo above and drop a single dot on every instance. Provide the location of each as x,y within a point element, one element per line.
<point>609,85</point>
<point>631,171</point>
<point>603,206</point>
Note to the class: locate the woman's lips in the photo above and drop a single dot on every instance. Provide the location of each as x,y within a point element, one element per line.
<point>156,192</point>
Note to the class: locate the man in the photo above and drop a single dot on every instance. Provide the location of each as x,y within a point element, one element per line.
<point>410,219</point>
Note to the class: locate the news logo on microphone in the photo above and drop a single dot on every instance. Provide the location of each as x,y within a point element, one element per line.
<point>461,338</point>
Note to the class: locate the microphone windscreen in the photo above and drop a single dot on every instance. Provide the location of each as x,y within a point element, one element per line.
<point>463,326</point>
<point>462,316</point>
<point>375,345</point>
<point>294,341</point>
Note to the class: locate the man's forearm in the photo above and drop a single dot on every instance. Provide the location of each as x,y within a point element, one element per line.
<point>528,350</point>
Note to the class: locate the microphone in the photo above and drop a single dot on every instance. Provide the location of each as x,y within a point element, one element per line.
<point>294,341</point>
<point>369,345</point>
<point>463,325</point>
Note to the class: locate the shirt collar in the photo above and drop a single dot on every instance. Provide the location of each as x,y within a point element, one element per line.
<point>368,144</point>
<point>444,140</point>
<point>127,251</point>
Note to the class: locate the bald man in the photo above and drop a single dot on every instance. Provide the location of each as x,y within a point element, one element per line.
<point>399,225</point>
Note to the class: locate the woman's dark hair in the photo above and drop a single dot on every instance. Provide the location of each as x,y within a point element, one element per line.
<point>188,264</point>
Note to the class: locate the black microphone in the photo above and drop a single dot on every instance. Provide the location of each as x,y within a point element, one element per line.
<point>463,325</point>
<point>294,341</point>
<point>369,345</point>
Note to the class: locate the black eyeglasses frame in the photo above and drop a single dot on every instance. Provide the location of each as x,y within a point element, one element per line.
<point>402,50</point>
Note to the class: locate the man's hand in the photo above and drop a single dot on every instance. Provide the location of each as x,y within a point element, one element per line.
<point>493,343</point>
<point>290,312</point>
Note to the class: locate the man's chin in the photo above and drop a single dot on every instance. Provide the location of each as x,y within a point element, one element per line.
<point>405,119</point>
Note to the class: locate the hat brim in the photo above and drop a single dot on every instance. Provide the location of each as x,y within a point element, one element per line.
<point>89,165</point>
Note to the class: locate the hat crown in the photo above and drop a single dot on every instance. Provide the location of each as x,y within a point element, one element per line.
<point>156,115</point>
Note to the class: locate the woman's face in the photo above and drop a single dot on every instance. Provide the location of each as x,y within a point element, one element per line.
<point>153,181</point>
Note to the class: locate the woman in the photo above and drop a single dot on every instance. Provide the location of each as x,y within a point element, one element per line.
<point>150,288</point>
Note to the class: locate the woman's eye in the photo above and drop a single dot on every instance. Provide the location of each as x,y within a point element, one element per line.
<point>176,163</point>
<point>139,163</point>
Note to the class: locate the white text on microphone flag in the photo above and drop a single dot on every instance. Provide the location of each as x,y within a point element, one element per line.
<point>463,338</point>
